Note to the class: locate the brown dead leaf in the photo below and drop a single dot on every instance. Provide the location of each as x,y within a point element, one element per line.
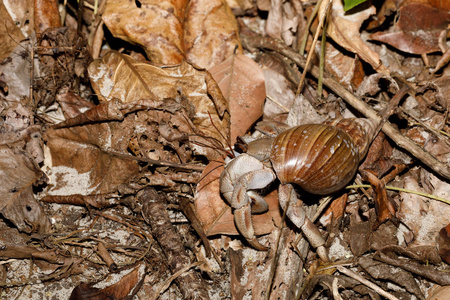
<point>417,30</point>
<point>80,162</point>
<point>111,288</point>
<point>18,204</point>
<point>210,33</point>
<point>344,68</point>
<point>443,243</point>
<point>283,20</point>
<point>343,28</point>
<point>119,76</point>
<point>215,214</point>
<point>46,15</point>
<point>422,216</point>
<point>203,31</point>
<point>241,81</point>
<point>10,33</point>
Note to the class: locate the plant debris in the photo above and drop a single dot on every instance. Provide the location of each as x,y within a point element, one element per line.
<point>117,119</point>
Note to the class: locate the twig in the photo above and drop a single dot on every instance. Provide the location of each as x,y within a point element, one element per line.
<point>310,54</point>
<point>169,281</point>
<point>366,282</point>
<point>335,289</point>
<point>419,153</point>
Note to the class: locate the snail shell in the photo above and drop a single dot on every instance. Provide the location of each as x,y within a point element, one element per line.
<point>320,158</point>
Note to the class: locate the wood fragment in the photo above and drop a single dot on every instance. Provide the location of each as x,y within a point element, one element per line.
<point>191,285</point>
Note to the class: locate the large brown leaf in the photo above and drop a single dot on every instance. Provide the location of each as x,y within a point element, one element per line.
<point>417,30</point>
<point>241,81</point>
<point>203,31</point>
<point>80,162</point>
<point>118,76</point>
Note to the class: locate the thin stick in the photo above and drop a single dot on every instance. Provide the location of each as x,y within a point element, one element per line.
<point>366,282</point>
<point>308,25</point>
<point>169,281</point>
<point>311,51</point>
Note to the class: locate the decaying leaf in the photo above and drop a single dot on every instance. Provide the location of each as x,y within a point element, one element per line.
<point>241,81</point>
<point>422,216</point>
<point>443,243</point>
<point>343,28</point>
<point>417,30</point>
<point>18,204</point>
<point>118,76</point>
<point>10,30</point>
<point>344,68</point>
<point>202,31</point>
<point>283,20</point>
<point>80,162</point>
<point>46,15</point>
<point>210,33</point>
<point>111,287</point>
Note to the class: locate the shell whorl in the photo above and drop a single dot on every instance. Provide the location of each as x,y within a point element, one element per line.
<point>319,158</point>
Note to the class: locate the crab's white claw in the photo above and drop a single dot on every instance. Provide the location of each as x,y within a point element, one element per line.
<point>297,215</point>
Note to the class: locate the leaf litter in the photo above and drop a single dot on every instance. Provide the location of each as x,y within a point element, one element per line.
<point>110,166</point>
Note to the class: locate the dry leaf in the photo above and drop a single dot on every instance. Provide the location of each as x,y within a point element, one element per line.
<point>443,243</point>
<point>118,76</point>
<point>46,15</point>
<point>215,214</point>
<point>241,81</point>
<point>417,30</point>
<point>80,163</point>
<point>111,287</point>
<point>280,97</point>
<point>422,216</point>
<point>210,33</point>
<point>18,204</point>
<point>10,33</point>
<point>344,68</point>
<point>203,31</point>
<point>343,28</point>
<point>283,20</point>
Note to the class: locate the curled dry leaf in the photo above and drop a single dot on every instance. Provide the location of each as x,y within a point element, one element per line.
<point>343,28</point>
<point>118,76</point>
<point>216,215</point>
<point>241,81</point>
<point>203,31</point>
<point>417,30</point>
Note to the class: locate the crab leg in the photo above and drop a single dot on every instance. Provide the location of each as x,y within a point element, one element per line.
<point>242,175</point>
<point>297,215</point>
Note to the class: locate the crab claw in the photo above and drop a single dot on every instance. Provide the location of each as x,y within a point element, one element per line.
<point>242,202</point>
<point>297,215</point>
<point>240,177</point>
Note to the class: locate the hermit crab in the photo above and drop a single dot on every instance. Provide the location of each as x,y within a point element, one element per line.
<point>318,158</point>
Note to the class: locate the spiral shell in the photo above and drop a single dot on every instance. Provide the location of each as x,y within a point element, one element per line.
<point>320,158</point>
